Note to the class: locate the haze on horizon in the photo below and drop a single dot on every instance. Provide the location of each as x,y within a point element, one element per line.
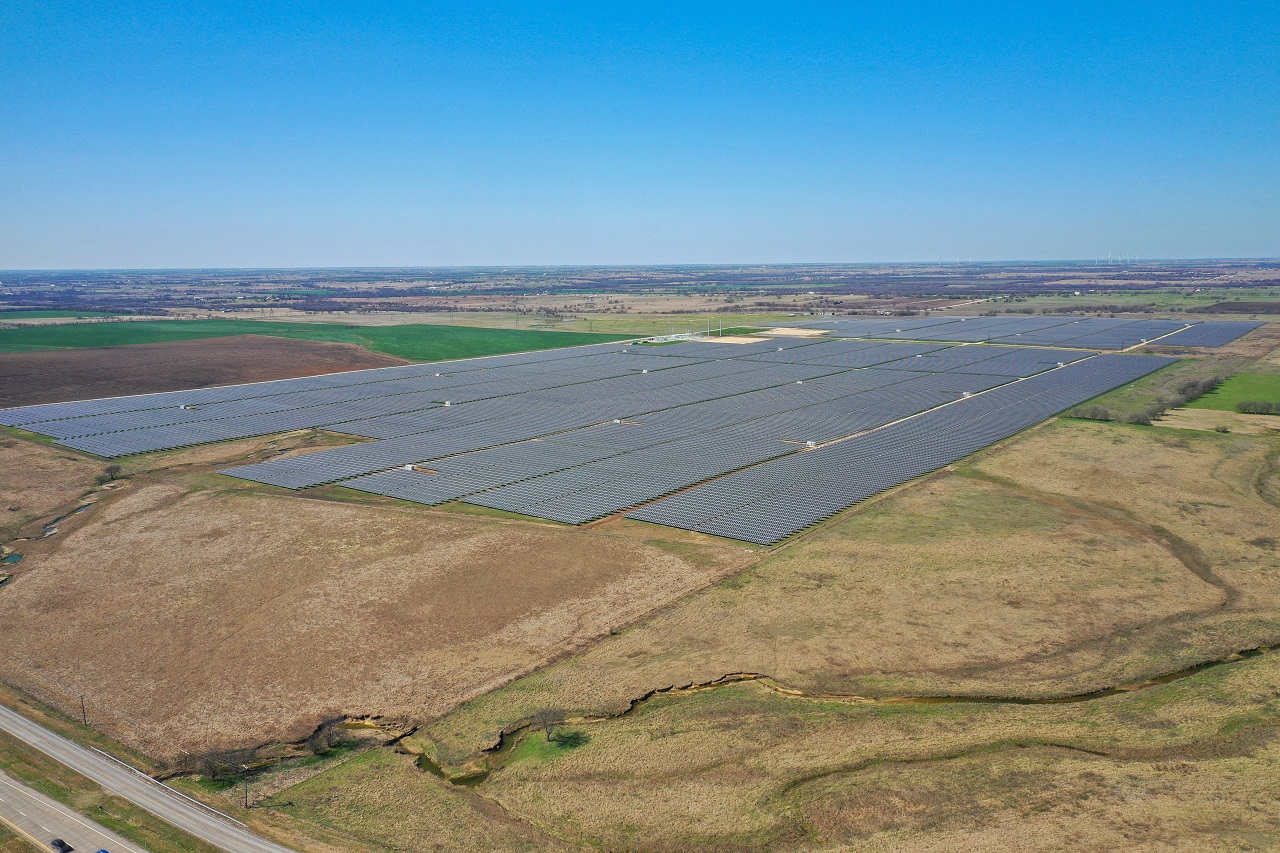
<point>274,135</point>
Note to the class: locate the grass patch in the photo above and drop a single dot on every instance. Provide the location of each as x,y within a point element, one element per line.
<point>538,749</point>
<point>34,436</point>
<point>1242,387</point>
<point>1157,392</point>
<point>411,342</point>
<point>737,330</point>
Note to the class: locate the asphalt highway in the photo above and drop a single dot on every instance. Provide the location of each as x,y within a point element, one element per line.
<point>41,820</point>
<point>138,788</point>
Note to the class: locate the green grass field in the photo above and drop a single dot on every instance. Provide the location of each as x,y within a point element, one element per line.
<point>1238,389</point>
<point>49,315</point>
<point>412,342</point>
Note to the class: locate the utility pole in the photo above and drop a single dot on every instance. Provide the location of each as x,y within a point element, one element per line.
<point>84,715</point>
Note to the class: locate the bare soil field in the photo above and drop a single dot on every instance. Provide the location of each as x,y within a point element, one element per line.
<point>195,613</point>
<point>53,376</point>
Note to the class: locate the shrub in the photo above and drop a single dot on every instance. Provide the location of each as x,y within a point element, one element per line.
<point>1094,413</point>
<point>1258,407</point>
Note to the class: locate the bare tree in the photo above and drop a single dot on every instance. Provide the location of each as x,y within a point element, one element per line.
<point>547,719</point>
<point>325,737</point>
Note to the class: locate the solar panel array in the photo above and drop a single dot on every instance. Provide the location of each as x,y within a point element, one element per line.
<point>768,502</point>
<point>1062,330</point>
<point>598,457</point>
<point>1214,333</point>
<point>752,441</point>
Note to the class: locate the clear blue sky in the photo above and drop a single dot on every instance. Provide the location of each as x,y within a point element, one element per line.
<point>318,134</point>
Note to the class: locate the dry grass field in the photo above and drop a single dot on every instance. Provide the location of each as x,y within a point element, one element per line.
<point>35,483</point>
<point>1077,557</point>
<point>1192,765</point>
<point>195,612</point>
<point>381,801</point>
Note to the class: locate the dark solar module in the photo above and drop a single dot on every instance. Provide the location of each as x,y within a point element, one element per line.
<point>767,502</point>
<point>1214,333</point>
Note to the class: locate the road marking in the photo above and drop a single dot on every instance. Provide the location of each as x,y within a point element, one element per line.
<point>37,842</point>
<point>97,831</point>
<point>166,788</point>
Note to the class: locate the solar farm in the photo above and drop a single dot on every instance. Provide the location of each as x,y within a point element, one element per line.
<point>749,441</point>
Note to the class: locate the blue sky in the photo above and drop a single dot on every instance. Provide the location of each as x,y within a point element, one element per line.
<point>316,134</point>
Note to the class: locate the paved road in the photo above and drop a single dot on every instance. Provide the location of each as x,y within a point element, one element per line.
<point>42,820</point>
<point>138,788</point>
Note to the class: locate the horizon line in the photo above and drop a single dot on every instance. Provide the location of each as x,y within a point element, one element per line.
<point>703,264</point>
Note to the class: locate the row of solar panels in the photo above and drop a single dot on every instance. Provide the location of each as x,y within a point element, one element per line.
<point>392,402</point>
<point>768,502</point>
<point>590,473</point>
<point>574,435</point>
<point>1062,330</point>
<point>675,447</point>
<point>444,439</point>
<point>428,434</point>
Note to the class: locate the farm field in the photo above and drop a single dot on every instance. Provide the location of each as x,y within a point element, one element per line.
<point>1183,300</point>
<point>1240,388</point>
<point>644,320</point>
<point>52,314</point>
<point>410,342</point>
<point>82,373</point>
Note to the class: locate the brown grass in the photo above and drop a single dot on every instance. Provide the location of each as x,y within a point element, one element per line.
<point>380,801</point>
<point>195,612</point>
<point>1083,555</point>
<point>37,481</point>
<point>1217,421</point>
<point>1191,765</point>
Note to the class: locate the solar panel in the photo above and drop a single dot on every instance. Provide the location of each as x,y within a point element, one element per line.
<point>768,502</point>
<point>1214,333</point>
<point>752,441</point>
